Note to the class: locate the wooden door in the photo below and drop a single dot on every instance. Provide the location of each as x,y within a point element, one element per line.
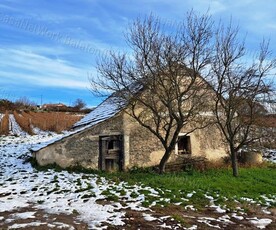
<point>111,153</point>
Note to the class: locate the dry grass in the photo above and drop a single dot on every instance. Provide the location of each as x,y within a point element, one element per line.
<point>4,126</point>
<point>24,122</point>
<point>52,121</point>
<point>218,165</point>
<point>46,121</point>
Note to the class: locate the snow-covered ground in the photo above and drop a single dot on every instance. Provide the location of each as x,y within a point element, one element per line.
<point>25,193</point>
<point>269,155</point>
<point>14,128</point>
<point>56,192</point>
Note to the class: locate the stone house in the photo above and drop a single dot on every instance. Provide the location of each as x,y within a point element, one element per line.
<point>54,107</point>
<point>109,139</point>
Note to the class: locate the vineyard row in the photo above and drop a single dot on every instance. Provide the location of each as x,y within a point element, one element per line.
<point>46,121</point>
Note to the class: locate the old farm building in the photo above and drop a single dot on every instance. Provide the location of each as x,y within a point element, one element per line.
<point>109,139</point>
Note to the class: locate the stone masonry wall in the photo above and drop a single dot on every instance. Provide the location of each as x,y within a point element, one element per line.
<point>81,148</point>
<point>146,150</point>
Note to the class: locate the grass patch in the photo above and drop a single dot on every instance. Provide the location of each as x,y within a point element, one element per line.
<point>179,219</point>
<point>251,183</point>
<point>40,201</point>
<point>75,212</point>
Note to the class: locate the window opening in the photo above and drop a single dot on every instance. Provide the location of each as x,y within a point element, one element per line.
<point>184,145</point>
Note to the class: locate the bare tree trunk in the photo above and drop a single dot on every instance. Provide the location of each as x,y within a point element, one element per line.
<point>234,162</point>
<point>164,160</point>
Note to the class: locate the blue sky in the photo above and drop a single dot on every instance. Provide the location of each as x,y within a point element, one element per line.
<point>48,48</point>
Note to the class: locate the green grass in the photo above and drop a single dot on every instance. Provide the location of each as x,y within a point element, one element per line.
<point>251,183</point>
<point>179,219</point>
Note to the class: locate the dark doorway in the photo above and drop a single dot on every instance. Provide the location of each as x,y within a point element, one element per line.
<point>111,153</point>
<point>184,145</point>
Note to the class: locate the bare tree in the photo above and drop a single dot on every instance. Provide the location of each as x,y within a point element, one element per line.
<point>239,87</point>
<point>24,103</point>
<point>159,83</point>
<point>163,82</point>
<point>79,104</point>
<point>6,105</point>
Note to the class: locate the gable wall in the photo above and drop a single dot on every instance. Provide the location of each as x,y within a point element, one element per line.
<point>144,149</point>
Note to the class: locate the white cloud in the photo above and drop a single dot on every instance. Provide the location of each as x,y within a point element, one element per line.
<point>36,69</point>
<point>53,66</point>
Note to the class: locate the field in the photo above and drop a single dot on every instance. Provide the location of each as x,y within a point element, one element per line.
<point>32,198</point>
<point>18,123</point>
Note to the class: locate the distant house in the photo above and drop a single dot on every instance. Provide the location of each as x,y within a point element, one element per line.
<point>109,139</point>
<point>54,107</point>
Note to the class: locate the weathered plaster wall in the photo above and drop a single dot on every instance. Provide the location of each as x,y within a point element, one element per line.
<point>81,148</point>
<point>208,143</point>
<point>146,150</point>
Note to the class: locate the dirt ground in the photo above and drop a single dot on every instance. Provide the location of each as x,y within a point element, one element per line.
<point>172,217</point>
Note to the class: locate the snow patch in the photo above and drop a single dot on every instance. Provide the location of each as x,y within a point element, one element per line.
<point>32,224</point>
<point>208,221</point>
<point>234,215</point>
<point>260,223</point>
<point>15,129</point>
<point>191,207</point>
<point>218,209</point>
<point>23,215</point>
<point>189,195</point>
<point>194,227</point>
<point>148,217</point>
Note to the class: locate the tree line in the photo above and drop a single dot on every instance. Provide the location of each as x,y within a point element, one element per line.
<point>26,104</point>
